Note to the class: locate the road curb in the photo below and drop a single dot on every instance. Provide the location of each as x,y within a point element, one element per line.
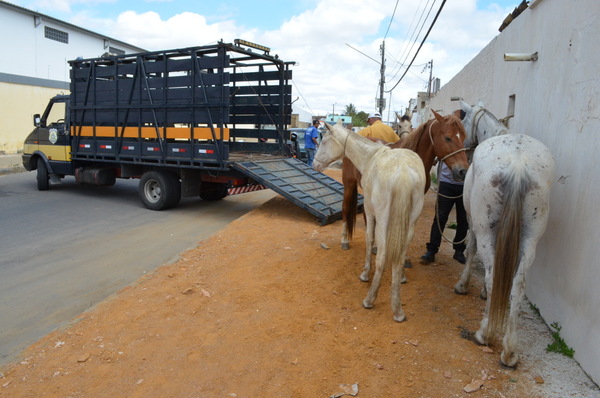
<point>11,164</point>
<point>11,170</point>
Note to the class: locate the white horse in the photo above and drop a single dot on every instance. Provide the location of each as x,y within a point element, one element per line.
<point>506,196</point>
<point>393,182</point>
<point>405,126</point>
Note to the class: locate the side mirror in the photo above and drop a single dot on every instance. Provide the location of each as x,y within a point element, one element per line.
<point>37,120</point>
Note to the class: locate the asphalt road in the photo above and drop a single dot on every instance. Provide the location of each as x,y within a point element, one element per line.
<point>64,250</point>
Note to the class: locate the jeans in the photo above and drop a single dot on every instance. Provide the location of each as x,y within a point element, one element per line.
<point>444,206</point>
<point>310,155</point>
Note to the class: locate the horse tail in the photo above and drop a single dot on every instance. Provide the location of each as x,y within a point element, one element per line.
<point>352,210</point>
<point>507,248</point>
<point>401,204</point>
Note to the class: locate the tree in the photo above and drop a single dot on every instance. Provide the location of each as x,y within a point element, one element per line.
<point>359,119</point>
<point>350,110</point>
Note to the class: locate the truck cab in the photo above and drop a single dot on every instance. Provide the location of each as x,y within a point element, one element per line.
<point>47,149</point>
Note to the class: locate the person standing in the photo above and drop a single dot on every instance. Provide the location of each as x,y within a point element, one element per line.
<point>311,143</point>
<point>449,196</point>
<point>378,129</point>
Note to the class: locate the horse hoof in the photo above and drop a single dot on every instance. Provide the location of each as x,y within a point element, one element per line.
<point>460,289</point>
<point>345,246</point>
<point>403,280</point>
<point>509,361</point>
<point>374,250</point>
<point>400,318</point>
<point>483,294</point>
<point>366,304</point>
<point>364,277</point>
<point>479,339</point>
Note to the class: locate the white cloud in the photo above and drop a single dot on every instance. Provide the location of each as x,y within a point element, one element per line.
<point>329,72</point>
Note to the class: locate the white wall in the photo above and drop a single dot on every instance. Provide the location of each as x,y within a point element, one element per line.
<point>35,68</point>
<point>557,102</point>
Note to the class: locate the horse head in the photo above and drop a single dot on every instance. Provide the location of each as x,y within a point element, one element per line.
<point>480,124</point>
<point>447,135</point>
<point>331,147</point>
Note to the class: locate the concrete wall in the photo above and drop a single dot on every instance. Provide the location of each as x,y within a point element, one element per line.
<point>18,104</point>
<point>556,100</point>
<point>35,68</point>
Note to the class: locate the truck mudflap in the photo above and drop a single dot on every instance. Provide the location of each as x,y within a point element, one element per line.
<point>316,192</point>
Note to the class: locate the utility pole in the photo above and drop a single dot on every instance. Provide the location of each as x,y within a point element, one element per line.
<point>430,75</point>
<point>382,79</point>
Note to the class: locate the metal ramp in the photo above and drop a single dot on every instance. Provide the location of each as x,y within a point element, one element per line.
<point>321,195</point>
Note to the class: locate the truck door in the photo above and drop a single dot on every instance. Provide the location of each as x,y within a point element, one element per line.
<point>51,135</point>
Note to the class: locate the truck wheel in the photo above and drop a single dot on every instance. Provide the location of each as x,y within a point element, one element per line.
<point>176,186</point>
<point>212,191</point>
<point>43,179</point>
<point>157,190</point>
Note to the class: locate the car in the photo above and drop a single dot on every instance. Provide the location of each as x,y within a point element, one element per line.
<point>296,142</point>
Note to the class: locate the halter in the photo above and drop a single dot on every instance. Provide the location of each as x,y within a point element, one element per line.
<point>439,169</point>
<point>474,139</point>
<point>433,146</point>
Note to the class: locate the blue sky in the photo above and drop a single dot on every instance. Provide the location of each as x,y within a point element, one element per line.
<point>334,42</point>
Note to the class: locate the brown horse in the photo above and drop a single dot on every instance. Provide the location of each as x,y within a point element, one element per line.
<point>441,137</point>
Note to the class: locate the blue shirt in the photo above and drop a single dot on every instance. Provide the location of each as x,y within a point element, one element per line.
<point>309,134</point>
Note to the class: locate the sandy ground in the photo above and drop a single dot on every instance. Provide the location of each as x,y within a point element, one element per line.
<point>271,307</point>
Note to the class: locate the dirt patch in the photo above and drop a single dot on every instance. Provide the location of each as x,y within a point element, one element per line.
<point>271,307</point>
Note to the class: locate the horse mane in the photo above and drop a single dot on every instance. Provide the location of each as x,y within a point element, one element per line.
<point>412,140</point>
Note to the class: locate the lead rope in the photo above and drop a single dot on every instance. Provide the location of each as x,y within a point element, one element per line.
<point>439,168</point>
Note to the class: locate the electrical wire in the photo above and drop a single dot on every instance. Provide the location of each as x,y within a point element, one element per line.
<point>391,20</point>
<point>413,41</point>
<point>421,45</point>
<point>412,38</point>
<point>304,99</point>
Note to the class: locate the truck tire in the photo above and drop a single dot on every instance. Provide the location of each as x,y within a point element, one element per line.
<point>176,185</point>
<point>43,179</point>
<point>157,190</point>
<point>212,191</point>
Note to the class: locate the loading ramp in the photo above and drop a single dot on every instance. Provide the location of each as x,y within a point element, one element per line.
<point>316,192</point>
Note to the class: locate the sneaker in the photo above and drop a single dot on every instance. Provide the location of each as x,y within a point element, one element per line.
<point>460,257</point>
<point>428,258</point>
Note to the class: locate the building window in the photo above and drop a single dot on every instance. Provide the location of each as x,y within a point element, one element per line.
<point>55,34</point>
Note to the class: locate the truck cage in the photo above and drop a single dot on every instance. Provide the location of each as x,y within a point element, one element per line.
<point>200,107</point>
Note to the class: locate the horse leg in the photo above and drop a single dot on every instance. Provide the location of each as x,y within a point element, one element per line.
<point>369,234</point>
<point>397,276</point>
<point>350,178</point>
<point>486,251</point>
<point>462,285</point>
<point>346,204</point>
<point>509,356</point>
<point>350,187</point>
<point>379,268</point>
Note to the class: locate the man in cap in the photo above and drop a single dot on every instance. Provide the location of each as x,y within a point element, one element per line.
<point>311,143</point>
<point>377,129</point>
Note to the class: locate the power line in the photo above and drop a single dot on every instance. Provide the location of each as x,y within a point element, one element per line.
<point>421,45</point>
<point>391,20</point>
<point>304,99</point>
<point>420,29</point>
<point>414,35</point>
